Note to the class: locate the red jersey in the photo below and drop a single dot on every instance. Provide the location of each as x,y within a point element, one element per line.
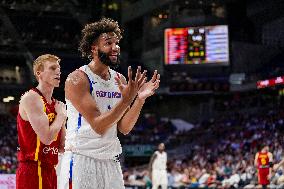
<point>30,146</point>
<point>263,168</point>
<point>263,160</point>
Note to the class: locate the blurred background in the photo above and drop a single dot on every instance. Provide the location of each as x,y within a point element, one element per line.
<point>222,73</point>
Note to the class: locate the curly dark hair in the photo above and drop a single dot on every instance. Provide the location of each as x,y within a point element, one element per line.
<point>92,31</point>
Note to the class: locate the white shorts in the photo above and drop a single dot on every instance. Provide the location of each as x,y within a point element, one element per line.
<point>159,177</point>
<point>89,173</point>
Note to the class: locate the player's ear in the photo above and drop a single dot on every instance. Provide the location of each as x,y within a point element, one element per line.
<point>94,49</point>
<point>37,73</point>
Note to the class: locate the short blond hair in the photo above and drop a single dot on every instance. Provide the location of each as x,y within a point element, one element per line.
<point>38,63</point>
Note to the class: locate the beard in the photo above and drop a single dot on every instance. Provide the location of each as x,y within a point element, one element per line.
<point>104,58</point>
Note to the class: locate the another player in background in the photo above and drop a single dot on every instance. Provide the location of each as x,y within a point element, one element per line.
<point>158,168</point>
<point>41,128</point>
<point>264,163</point>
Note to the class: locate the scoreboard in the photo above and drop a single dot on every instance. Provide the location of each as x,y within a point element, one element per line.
<point>196,45</point>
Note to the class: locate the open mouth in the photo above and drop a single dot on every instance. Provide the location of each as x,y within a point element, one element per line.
<point>57,78</point>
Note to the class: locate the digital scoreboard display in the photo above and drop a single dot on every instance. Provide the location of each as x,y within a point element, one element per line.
<point>197,45</point>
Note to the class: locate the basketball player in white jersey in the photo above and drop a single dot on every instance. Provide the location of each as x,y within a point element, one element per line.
<point>100,102</point>
<point>158,168</point>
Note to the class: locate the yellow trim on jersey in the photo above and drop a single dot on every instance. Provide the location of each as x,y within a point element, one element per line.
<point>44,105</point>
<point>37,148</point>
<point>37,138</point>
<point>39,175</point>
<point>44,108</point>
<point>37,152</point>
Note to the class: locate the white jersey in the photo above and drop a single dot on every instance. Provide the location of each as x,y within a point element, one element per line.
<point>160,162</point>
<point>80,137</point>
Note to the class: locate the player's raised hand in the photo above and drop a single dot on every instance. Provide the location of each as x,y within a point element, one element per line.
<point>130,89</point>
<point>148,88</point>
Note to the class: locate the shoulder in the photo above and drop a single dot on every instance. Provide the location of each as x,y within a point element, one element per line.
<point>30,99</point>
<point>76,85</point>
<point>154,156</point>
<point>76,77</point>
<point>29,96</point>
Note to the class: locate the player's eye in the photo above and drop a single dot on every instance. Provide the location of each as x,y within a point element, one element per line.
<point>53,68</point>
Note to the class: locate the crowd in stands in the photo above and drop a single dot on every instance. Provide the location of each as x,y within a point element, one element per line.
<point>8,144</point>
<point>218,153</point>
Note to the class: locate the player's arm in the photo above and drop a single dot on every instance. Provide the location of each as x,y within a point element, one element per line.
<point>32,105</point>
<point>270,156</point>
<point>126,124</point>
<point>62,139</point>
<point>255,160</point>
<point>154,156</point>
<point>77,90</point>
<point>145,90</point>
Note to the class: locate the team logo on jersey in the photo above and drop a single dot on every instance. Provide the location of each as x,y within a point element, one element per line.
<point>51,117</point>
<point>108,94</point>
<point>263,161</point>
<point>52,150</point>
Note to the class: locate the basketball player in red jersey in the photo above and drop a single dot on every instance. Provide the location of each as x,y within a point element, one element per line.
<point>263,162</point>
<point>41,128</point>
